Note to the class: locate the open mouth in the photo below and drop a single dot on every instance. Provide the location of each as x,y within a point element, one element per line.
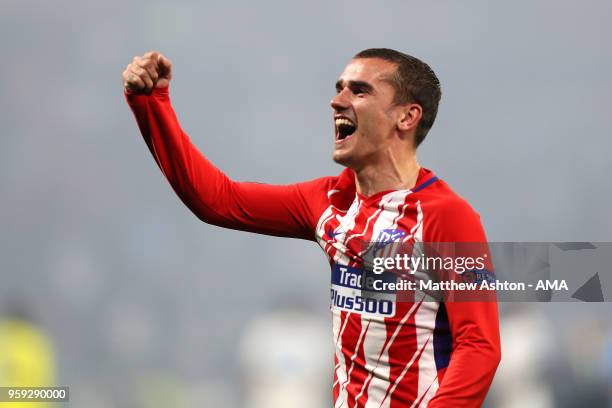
<point>344,128</point>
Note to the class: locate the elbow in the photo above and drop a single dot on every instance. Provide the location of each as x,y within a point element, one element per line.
<point>492,345</point>
<point>496,358</point>
<point>490,354</point>
<point>497,353</point>
<point>494,355</point>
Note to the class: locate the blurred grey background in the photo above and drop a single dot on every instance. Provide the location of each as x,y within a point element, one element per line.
<point>145,306</point>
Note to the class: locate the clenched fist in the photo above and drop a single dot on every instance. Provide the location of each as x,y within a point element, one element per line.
<point>152,70</point>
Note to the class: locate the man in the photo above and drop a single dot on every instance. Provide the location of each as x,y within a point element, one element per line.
<point>389,353</point>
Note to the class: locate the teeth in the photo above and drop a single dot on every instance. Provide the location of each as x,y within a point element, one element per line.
<point>345,122</point>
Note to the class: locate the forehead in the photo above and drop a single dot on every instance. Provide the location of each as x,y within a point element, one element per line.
<point>372,70</point>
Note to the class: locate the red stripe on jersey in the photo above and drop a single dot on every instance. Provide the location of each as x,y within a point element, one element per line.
<point>402,352</point>
<point>357,373</point>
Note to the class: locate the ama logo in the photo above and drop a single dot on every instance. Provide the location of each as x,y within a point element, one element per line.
<point>388,236</point>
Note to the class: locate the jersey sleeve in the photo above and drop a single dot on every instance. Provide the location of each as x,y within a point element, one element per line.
<point>474,325</point>
<point>280,210</point>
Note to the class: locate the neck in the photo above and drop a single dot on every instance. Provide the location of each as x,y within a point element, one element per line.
<point>391,173</point>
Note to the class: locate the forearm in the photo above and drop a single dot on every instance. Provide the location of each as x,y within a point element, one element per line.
<point>208,192</point>
<point>181,163</point>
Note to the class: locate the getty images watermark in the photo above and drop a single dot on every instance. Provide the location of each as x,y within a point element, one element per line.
<point>494,271</point>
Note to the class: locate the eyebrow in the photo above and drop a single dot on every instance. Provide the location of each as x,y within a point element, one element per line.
<point>367,87</point>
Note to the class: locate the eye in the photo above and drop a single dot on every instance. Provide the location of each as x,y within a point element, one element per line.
<point>358,90</point>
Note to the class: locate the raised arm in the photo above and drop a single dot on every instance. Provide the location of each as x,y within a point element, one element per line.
<point>286,210</point>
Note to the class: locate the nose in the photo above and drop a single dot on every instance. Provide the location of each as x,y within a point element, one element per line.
<point>340,101</point>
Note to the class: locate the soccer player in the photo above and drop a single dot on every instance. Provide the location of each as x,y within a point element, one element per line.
<point>388,353</point>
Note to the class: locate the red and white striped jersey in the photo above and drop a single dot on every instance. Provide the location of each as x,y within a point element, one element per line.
<point>388,353</point>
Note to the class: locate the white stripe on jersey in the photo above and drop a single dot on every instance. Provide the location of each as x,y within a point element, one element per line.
<point>394,206</point>
<point>425,322</point>
<point>343,397</point>
<point>373,335</point>
<point>377,385</point>
<point>385,216</point>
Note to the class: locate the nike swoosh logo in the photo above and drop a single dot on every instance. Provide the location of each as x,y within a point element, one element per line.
<point>333,234</point>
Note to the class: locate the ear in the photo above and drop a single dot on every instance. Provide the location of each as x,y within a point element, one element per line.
<point>409,117</point>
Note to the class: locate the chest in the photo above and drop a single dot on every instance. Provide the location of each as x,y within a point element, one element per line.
<point>369,227</point>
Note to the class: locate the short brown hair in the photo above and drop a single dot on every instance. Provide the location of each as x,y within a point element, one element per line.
<point>414,81</point>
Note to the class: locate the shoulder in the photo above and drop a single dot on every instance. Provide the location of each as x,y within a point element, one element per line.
<point>443,202</point>
<point>448,217</point>
<point>333,188</point>
<point>320,193</point>
<point>343,182</point>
